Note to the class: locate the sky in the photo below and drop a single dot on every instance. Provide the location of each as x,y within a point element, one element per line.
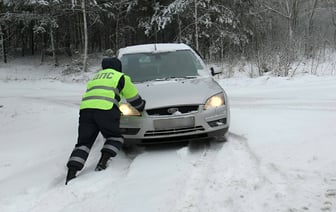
<point>279,154</point>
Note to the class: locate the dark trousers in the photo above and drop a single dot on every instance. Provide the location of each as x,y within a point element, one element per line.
<point>91,122</point>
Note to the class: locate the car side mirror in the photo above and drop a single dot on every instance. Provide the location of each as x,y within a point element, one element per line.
<point>213,72</point>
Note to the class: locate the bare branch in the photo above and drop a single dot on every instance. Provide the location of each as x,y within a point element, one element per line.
<point>277,11</point>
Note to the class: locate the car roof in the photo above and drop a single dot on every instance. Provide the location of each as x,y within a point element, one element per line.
<point>154,47</point>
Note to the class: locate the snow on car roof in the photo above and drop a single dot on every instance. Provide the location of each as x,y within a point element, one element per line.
<point>157,47</point>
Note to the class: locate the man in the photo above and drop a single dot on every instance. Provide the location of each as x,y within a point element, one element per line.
<point>99,112</point>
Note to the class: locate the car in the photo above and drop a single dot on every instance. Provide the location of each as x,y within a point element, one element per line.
<point>183,101</point>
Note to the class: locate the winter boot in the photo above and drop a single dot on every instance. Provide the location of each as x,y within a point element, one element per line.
<point>102,164</point>
<point>71,175</point>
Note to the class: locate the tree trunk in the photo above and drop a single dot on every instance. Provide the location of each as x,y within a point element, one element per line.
<point>308,44</point>
<point>43,48</point>
<point>116,45</point>
<point>2,44</point>
<point>85,37</point>
<point>196,26</point>
<point>179,29</point>
<point>23,44</point>
<point>79,37</point>
<point>290,31</point>
<point>32,41</point>
<point>53,46</point>
<point>334,24</point>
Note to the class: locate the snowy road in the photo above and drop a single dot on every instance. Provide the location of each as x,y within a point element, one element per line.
<point>279,155</point>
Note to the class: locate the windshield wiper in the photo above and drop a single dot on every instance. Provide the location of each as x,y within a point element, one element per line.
<point>174,78</point>
<point>190,77</point>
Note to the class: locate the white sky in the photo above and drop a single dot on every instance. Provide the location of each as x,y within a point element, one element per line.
<point>280,153</point>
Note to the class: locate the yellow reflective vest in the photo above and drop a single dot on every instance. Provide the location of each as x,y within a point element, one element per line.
<point>102,92</point>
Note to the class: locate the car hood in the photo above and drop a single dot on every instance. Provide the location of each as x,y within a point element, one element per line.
<point>177,92</point>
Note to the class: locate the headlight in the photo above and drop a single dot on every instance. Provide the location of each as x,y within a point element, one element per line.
<point>215,101</point>
<point>128,110</point>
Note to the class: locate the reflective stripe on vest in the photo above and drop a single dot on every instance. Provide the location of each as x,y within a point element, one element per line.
<point>114,101</point>
<point>102,92</point>
<point>116,91</point>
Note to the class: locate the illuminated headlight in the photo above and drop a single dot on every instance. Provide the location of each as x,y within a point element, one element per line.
<point>215,101</point>
<point>128,110</point>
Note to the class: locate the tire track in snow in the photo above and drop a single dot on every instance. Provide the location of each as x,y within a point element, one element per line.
<point>251,184</point>
<point>227,176</point>
<point>241,181</point>
<point>201,156</point>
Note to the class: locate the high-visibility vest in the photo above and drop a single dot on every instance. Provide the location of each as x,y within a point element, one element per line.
<point>102,92</point>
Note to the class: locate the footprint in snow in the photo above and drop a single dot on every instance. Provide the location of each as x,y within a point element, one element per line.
<point>326,206</point>
<point>330,194</point>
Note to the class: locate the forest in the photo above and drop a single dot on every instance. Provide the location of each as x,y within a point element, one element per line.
<point>271,33</point>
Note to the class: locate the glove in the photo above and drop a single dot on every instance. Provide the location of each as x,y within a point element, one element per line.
<point>141,109</point>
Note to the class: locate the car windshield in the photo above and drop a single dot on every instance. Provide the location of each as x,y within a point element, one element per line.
<point>162,65</point>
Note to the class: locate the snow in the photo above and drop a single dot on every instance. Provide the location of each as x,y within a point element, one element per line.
<point>158,47</point>
<point>279,156</point>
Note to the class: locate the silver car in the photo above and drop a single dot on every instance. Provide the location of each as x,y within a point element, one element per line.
<point>183,101</point>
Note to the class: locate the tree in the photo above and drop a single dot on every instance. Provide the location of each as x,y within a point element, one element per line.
<point>219,30</point>
<point>212,22</point>
<point>85,36</point>
<point>308,42</point>
<point>2,45</point>
<point>287,9</point>
<point>118,11</point>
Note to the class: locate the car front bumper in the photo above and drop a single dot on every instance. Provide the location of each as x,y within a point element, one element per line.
<point>150,129</point>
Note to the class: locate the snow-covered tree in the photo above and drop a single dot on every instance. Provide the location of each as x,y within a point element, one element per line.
<point>213,23</point>
<point>263,29</point>
<point>118,11</point>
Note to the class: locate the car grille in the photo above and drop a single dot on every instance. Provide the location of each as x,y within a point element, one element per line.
<point>173,131</point>
<point>175,139</point>
<point>165,110</point>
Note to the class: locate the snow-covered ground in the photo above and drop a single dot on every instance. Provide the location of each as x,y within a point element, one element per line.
<point>279,156</point>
